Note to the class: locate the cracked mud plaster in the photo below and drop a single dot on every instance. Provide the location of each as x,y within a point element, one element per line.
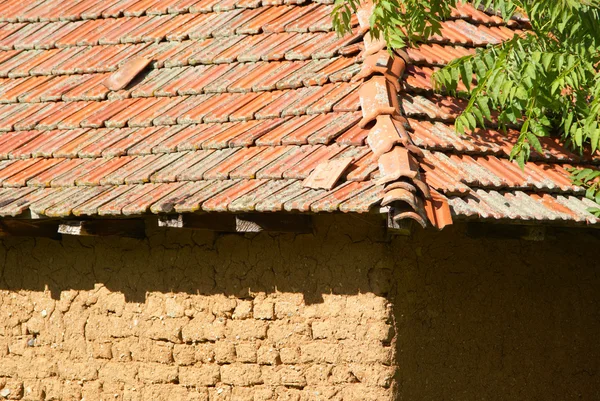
<point>339,315</point>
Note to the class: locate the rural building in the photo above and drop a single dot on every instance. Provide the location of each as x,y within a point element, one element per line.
<point>224,200</point>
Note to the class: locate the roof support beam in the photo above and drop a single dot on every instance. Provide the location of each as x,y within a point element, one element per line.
<point>240,223</point>
<point>29,228</point>
<point>132,228</point>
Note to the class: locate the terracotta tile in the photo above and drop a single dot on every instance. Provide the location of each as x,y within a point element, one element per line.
<point>263,47</point>
<point>53,91</point>
<point>90,207</point>
<point>17,167</point>
<point>126,73</point>
<point>248,3</point>
<point>8,42</point>
<point>14,140</point>
<point>65,207</point>
<point>363,169</point>
<point>8,123</point>
<point>46,67</point>
<point>194,202</point>
<point>145,118</point>
<point>273,138</point>
<point>294,80</point>
<point>303,23</point>
<point>138,8</point>
<point>7,84</point>
<point>187,132</point>
<point>194,87</point>
<point>216,21</point>
<point>248,201</point>
<point>310,96</point>
<point>116,9</point>
<point>185,161</point>
<point>19,180</point>
<point>181,6</point>
<point>147,31</point>
<point>342,123</point>
<point>279,51</point>
<point>74,13</point>
<point>112,35</point>
<point>364,201</point>
<point>354,136</point>
<point>195,141</point>
<point>322,76</point>
<point>302,202</point>
<point>283,70</point>
<point>244,84</point>
<point>157,137</point>
<point>170,116</point>
<point>220,112</point>
<point>350,102</point>
<point>135,108</point>
<point>40,205</point>
<point>43,179</point>
<point>252,167</point>
<point>221,171</point>
<point>196,171</point>
<point>299,136</point>
<point>143,174</point>
<point>292,15</point>
<point>183,31</point>
<point>326,103</point>
<point>257,102</point>
<point>17,60</point>
<point>326,174</point>
<point>274,202</point>
<point>98,169</point>
<point>15,202</point>
<point>230,27</point>
<point>197,113</point>
<point>255,25</point>
<point>214,49</point>
<point>332,201</point>
<point>83,30</point>
<point>72,148</point>
<point>274,109</point>
<point>25,87</point>
<point>221,201</point>
<point>116,205</point>
<point>332,48</point>
<point>222,138</point>
<point>167,203</point>
<point>305,166</point>
<point>110,137</point>
<point>104,113</point>
<point>249,137</point>
<point>222,83</point>
<point>33,119</point>
<point>130,138</point>
<point>23,144</point>
<point>34,38</point>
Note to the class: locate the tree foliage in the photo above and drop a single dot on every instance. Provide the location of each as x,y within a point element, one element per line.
<point>543,82</point>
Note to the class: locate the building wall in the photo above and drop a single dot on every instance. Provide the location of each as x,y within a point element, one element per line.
<point>343,314</point>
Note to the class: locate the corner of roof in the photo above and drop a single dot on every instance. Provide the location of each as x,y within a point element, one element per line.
<point>404,190</point>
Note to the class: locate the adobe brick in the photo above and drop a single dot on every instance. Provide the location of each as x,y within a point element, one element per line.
<point>242,393</point>
<point>79,371</point>
<point>241,374</point>
<point>220,393</point>
<point>243,310</point>
<point>246,352</point>
<point>173,392</point>
<point>184,354</point>
<point>247,329</point>
<point>224,352</point>
<point>317,374</point>
<point>359,392</point>
<point>267,354</point>
<point>283,333</point>
<point>199,375</point>
<point>118,372</point>
<point>175,306</point>
<point>12,390</point>
<point>290,355</point>
<point>264,310</point>
<point>205,353</point>
<point>368,306</point>
<point>152,351</point>
<point>373,374</point>
<point>101,350</point>
<point>292,375</point>
<point>157,373</point>
<point>365,352</point>
<point>320,352</point>
<point>194,330</point>
<point>167,329</point>
<point>121,350</point>
<point>223,306</point>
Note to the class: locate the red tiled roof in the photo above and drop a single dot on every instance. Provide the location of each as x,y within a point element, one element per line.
<point>242,100</point>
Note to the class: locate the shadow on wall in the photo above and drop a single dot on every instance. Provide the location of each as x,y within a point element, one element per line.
<point>346,255</point>
<point>498,319</point>
<point>474,319</point>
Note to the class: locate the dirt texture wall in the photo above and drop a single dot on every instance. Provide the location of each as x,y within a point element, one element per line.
<point>343,314</point>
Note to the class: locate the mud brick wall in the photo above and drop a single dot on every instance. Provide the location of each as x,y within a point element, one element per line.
<point>344,315</point>
<point>195,316</point>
